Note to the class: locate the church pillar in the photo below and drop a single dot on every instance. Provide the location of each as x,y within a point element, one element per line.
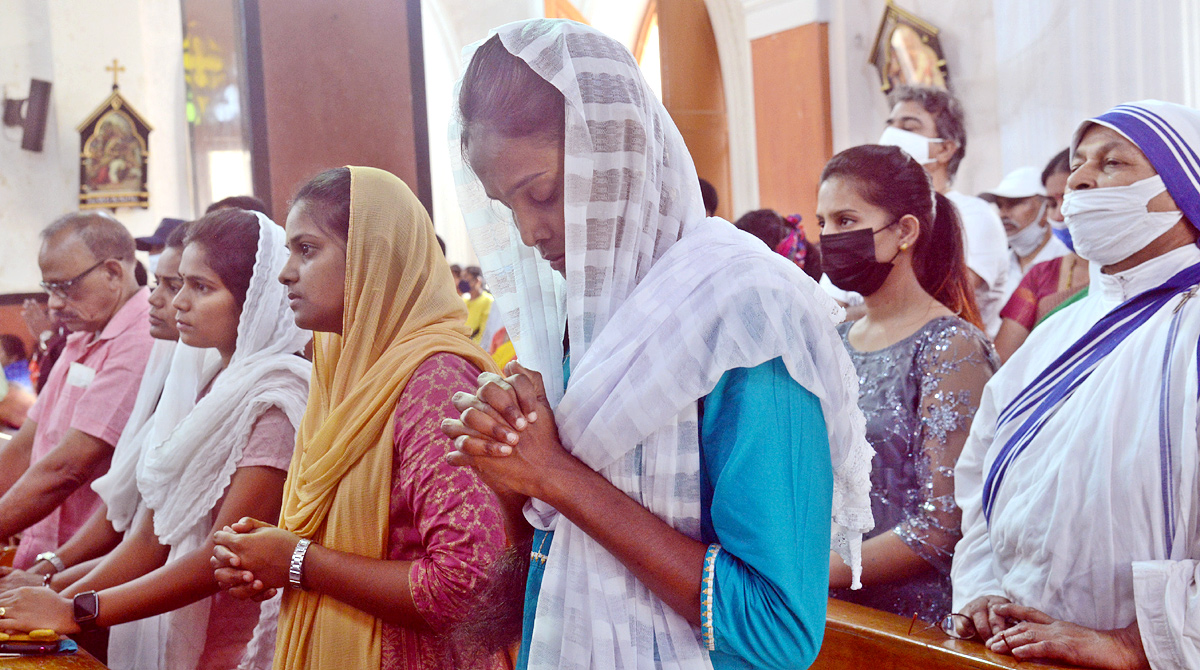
<point>333,84</point>
<point>693,92</point>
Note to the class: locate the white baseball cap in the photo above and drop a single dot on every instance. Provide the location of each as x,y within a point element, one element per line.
<point>1023,182</point>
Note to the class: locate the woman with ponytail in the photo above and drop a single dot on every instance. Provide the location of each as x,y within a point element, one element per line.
<point>922,361</point>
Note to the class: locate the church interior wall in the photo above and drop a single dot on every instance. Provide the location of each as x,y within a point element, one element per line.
<point>1026,70</point>
<point>69,44</point>
<point>792,120</point>
<point>693,91</point>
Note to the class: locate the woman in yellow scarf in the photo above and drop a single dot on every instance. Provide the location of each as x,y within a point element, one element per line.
<point>381,545</point>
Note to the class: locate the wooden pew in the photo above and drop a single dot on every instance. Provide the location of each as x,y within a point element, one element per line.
<point>80,660</point>
<point>860,637</point>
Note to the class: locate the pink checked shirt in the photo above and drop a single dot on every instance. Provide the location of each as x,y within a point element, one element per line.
<point>91,389</point>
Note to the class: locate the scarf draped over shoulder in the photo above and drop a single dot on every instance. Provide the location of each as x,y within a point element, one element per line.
<point>401,307</point>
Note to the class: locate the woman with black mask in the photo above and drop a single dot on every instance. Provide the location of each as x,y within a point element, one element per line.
<point>922,361</point>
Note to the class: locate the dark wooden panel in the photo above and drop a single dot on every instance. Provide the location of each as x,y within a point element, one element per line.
<point>792,118</point>
<point>337,89</point>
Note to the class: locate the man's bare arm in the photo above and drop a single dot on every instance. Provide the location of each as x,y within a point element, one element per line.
<point>14,456</point>
<point>47,483</point>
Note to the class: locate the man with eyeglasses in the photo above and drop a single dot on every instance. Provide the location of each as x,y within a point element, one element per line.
<point>87,263</point>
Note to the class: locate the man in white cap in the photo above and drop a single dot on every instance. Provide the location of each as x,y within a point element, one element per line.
<point>1021,199</point>
<point>928,123</point>
<point>1080,482</point>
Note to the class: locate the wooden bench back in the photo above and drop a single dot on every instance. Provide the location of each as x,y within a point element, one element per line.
<point>860,637</point>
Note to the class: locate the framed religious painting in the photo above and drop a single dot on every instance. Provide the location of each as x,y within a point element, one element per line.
<point>114,155</point>
<point>907,51</point>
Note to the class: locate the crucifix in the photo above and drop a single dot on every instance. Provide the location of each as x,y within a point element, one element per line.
<point>116,69</point>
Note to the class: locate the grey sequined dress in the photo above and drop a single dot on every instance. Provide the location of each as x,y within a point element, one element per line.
<point>919,396</point>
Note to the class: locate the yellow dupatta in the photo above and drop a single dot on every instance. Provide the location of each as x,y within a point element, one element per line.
<point>401,307</point>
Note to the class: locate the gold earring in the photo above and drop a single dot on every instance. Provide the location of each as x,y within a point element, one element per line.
<point>904,246</point>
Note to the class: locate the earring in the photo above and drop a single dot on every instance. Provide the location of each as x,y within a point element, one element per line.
<point>904,246</point>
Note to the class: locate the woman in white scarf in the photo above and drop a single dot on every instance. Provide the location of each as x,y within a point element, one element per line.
<point>207,468</point>
<point>682,501</point>
<point>118,487</point>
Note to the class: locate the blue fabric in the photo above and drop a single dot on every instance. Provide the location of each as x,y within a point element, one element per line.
<point>18,373</point>
<point>767,487</point>
<point>1064,236</point>
<point>533,585</point>
<point>1042,398</point>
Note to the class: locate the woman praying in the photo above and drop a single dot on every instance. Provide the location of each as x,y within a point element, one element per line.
<point>222,460</point>
<point>381,543</point>
<point>677,378</point>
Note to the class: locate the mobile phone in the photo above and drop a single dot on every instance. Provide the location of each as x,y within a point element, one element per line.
<point>29,647</point>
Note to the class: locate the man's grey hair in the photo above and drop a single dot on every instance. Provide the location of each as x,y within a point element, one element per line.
<point>101,233</point>
<point>947,113</point>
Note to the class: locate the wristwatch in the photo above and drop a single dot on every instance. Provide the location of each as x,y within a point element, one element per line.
<point>53,559</point>
<point>296,567</point>
<point>87,608</point>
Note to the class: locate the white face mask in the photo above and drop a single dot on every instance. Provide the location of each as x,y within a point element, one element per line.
<point>152,263</point>
<point>1026,240</point>
<point>913,144</point>
<point>1111,224</point>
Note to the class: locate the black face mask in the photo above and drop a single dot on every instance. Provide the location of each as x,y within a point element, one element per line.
<point>849,260</point>
<point>464,286</point>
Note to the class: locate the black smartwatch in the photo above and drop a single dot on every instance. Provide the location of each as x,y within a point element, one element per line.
<point>87,608</point>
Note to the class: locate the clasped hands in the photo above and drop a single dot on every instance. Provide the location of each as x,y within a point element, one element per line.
<point>1027,634</point>
<point>506,432</point>
<point>251,558</point>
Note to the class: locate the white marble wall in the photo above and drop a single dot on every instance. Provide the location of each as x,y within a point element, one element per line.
<point>968,38</point>
<point>1027,71</point>
<point>447,26</point>
<point>69,42</point>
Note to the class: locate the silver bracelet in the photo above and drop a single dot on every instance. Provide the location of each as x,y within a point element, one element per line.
<point>53,559</point>
<point>296,569</point>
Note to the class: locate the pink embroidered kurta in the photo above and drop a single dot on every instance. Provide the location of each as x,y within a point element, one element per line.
<point>444,519</point>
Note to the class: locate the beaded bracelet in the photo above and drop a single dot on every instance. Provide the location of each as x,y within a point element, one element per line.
<point>706,597</point>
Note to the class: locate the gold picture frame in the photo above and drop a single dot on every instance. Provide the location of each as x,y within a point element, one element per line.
<point>114,156</point>
<point>907,51</point>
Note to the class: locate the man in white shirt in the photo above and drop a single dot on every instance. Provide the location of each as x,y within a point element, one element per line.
<point>1080,482</point>
<point>928,123</point>
<point>1023,205</point>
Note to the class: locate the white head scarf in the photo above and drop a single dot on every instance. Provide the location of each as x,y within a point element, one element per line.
<point>148,422</point>
<point>184,474</point>
<point>1169,135</point>
<point>660,303</point>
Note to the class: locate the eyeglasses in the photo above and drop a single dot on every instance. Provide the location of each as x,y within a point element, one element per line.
<point>60,289</point>
<point>955,625</point>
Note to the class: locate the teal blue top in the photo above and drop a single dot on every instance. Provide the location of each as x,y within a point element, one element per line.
<point>766,487</point>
